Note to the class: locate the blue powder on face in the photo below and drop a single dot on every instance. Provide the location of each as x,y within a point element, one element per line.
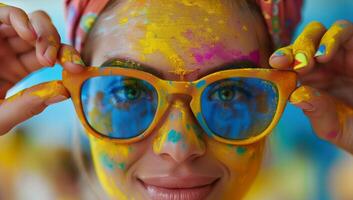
<point>174,136</point>
<point>107,162</point>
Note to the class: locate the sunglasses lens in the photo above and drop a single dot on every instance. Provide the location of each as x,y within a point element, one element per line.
<point>118,106</point>
<point>239,108</point>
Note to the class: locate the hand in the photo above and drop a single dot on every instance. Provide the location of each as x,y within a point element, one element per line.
<point>27,44</point>
<point>324,61</point>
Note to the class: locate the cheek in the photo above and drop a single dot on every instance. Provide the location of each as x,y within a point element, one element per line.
<point>237,158</point>
<point>242,163</point>
<point>112,162</point>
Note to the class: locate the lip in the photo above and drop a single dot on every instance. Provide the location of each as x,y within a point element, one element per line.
<point>178,188</point>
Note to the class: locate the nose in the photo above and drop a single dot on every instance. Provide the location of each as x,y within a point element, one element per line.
<point>179,138</point>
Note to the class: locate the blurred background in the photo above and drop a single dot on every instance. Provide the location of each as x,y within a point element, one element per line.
<point>36,160</point>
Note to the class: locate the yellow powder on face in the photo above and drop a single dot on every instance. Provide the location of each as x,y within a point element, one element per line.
<point>116,152</point>
<point>171,28</point>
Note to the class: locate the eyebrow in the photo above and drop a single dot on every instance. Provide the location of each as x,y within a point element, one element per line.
<point>132,64</point>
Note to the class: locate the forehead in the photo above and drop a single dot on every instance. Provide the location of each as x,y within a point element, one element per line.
<point>175,36</point>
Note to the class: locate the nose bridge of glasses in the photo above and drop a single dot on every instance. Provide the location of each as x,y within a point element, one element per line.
<point>180,87</point>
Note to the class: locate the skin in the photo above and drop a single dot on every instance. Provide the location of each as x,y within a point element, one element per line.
<point>325,67</point>
<point>30,43</point>
<point>178,145</point>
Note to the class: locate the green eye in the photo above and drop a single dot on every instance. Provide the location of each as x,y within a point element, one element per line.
<point>132,93</point>
<point>226,94</point>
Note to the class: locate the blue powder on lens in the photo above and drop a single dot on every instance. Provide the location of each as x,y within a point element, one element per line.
<point>174,136</point>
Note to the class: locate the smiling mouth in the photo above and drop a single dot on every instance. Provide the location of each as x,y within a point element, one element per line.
<point>178,188</point>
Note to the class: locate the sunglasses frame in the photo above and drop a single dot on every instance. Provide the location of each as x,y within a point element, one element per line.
<point>284,80</point>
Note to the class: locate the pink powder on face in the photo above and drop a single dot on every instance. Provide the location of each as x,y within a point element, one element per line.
<point>209,52</point>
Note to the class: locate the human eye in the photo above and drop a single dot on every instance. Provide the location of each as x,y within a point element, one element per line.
<point>129,92</point>
<point>229,92</point>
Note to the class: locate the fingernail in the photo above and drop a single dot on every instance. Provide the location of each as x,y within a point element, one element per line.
<point>321,51</point>
<point>77,60</point>
<point>32,30</point>
<point>301,61</point>
<point>50,54</point>
<point>306,106</point>
<point>278,53</point>
<point>55,99</point>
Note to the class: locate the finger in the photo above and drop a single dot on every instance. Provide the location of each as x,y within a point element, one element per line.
<point>29,103</point>
<point>48,42</point>
<point>337,36</point>
<point>29,61</point>
<point>19,45</point>
<point>323,112</point>
<point>282,58</point>
<point>4,87</point>
<point>18,19</point>
<point>13,72</point>
<point>7,31</point>
<point>70,59</point>
<point>304,47</point>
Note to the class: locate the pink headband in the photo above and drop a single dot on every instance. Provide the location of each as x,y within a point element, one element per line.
<point>281,17</point>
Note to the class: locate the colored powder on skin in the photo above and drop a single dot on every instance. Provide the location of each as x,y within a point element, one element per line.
<point>174,136</point>
<point>188,127</point>
<point>241,150</point>
<point>166,32</point>
<point>331,37</point>
<point>122,166</point>
<point>107,162</point>
<point>209,52</point>
<point>303,94</point>
<point>2,5</point>
<point>52,41</point>
<point>70,56</point>
<point>49,90</point>
<point>305,43</point>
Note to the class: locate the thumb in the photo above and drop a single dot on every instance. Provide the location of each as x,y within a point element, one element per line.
<point>328,116</point>
<point>29,103</point>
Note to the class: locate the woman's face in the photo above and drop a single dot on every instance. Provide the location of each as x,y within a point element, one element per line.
<point>180,40</point>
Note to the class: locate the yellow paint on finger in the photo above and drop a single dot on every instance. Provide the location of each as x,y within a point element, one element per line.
<point>302,94</point>
<point>70,56</point>
<point>49,90</point>
<point>16,96</point>
<point>305,42</point>
<point>330,39</point>
<point>52,41</point>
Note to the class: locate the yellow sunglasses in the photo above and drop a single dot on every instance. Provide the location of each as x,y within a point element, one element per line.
<point>236,106</point>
